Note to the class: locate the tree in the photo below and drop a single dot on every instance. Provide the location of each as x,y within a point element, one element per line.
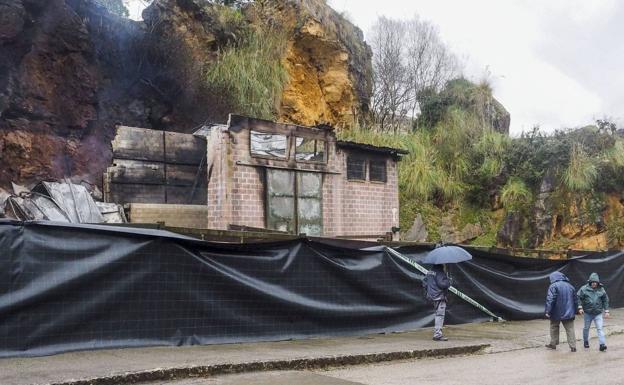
<point>391,83</point>
<point>410,63</point>
<point>429,61</point>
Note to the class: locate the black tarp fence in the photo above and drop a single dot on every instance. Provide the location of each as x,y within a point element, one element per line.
<point>67,287</point>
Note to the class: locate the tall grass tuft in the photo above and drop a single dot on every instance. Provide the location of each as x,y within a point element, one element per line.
<point>251,72</point>
<point>491,148</point>
<point>419,173</point>
<point>581,172</point>
<point>515,195</point>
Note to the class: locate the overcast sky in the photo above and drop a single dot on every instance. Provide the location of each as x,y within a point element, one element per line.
<point>556,63</point>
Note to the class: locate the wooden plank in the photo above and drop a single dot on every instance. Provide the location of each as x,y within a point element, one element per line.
<point>136,172</point>
<point>182,195</point>
<point>230,236</point>
<point>136,193</point>
<point>184,148</point>
<point>183,175</point>
<point>138,144</point>
<point>140,172</point>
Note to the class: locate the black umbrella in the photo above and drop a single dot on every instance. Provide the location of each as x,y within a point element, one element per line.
<point>447,254</point>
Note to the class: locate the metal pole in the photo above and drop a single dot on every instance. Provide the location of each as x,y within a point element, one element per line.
<point>452,289</point>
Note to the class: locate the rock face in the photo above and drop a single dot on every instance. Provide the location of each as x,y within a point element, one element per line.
<point>418,232</point>
<point>69,71</point>
<point>500,117</point>
<point>48,88</point>
<point>542,217</point>
<point>329,68</point>
<point>509,233</point>
<point>450,234</point>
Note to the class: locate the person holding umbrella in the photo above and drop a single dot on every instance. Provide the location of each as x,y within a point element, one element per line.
<point>437,282</point>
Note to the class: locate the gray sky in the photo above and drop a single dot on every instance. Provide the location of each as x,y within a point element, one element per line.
<point>556,63</point>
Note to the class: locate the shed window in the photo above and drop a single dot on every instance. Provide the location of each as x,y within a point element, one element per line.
<point>356,168</point>
<point>272,145</point>
<point>378,170</point>
<point>311,150</point>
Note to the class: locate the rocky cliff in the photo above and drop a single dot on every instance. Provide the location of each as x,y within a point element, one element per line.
<point>69,71</point>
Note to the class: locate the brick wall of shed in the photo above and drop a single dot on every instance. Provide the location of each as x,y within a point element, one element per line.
<point>219,205</point>
<point>359,207</point>
<point>247,185</point>
<point>235,191</point>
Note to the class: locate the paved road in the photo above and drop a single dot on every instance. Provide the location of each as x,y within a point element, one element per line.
<point>527,366</point>
<point>524,366</point>
<point>130,364</point>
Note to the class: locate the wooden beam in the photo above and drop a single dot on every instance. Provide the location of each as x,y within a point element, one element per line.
<point>138,144</point>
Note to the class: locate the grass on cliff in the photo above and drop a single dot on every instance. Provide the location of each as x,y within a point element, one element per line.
<point>250,73</point>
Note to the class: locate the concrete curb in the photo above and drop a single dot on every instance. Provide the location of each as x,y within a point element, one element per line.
<point>164,374</point>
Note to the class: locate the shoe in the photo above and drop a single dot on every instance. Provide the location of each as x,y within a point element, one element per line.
<point>440,338</point>
<point>586,344</point>
<point>573,350</point>
<point>603,348</point>
<point>551,346</point>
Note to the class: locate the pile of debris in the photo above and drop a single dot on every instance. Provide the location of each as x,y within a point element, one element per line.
<point>60,202</point>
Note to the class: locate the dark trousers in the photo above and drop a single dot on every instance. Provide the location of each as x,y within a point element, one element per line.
<point>568,325</point>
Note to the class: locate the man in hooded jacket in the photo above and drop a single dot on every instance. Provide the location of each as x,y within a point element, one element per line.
<point>593,301</point>
<point>561,304</point>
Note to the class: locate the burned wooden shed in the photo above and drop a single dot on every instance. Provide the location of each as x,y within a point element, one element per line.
<point>297,179</point>
<point>257,174</point>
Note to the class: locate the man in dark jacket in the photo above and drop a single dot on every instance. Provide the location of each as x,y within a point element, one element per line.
<point>593,301</point>
<point>437,288</point>
<point>561,303</point>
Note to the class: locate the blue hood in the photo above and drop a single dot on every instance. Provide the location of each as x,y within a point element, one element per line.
<point>557,276</point>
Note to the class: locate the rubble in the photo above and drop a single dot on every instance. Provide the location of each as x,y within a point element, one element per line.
<point>59,202</point>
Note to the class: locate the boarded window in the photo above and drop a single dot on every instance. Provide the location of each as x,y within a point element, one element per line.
<point>271,145</point>
<point>311,150</point>
<point>280,200</point>
<point>356,168</point>
<point>377,171</point>
<point>309,203</point>
<point>293,208</point>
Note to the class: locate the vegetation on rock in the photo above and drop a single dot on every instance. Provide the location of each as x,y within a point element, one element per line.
<point>459,163</point>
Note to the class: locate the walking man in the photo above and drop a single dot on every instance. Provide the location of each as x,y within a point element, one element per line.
<point>437,283</point>
<point>593,301</point>
<point>561,304</point>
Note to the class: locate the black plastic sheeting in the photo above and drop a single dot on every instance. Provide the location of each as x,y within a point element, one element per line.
<point>69,287</point>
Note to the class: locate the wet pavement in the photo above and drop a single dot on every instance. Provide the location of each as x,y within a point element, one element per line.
<point>527,366</point>
<point>120,366</point>
<point>536,365</point>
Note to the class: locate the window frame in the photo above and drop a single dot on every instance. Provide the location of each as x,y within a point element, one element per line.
<point>324,161</point>
<point>385,170</point>
<point>364,161</point>
<point>273,157</point>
